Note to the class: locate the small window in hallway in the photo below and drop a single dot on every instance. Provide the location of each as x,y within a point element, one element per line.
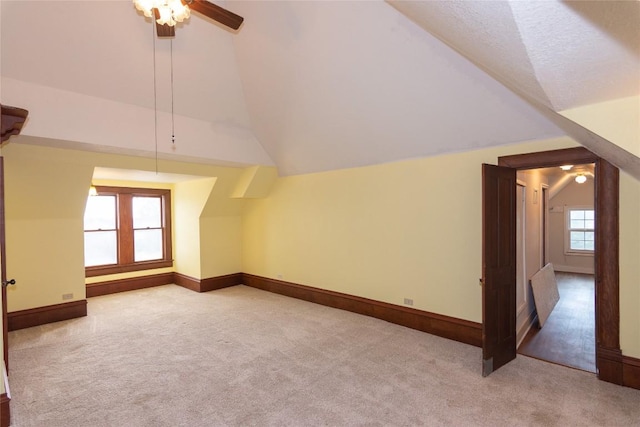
<point>580,225</point>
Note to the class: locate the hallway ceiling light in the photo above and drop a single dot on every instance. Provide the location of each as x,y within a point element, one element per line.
<point>581,179</point>
<point>566,167</point>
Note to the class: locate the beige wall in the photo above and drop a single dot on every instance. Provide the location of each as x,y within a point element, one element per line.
<point>525,306</point>
<point>45,196</point>
<point>190,198</point>
<point>573,194</point>
<point>46,191</point>
<point>616,120</point>
<point>403,230</point>
<point>629,265</point>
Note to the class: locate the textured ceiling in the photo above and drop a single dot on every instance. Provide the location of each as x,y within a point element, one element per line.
<point>556,55</point>
<point>582,52</point>
<point>561,54</point>
<point>319,85</point>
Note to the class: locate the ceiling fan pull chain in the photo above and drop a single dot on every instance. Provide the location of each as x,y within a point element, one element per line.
<point>173,133</point>
<point>155,99</point>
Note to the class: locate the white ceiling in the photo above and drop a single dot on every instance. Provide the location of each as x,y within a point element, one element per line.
<point>141,176</point>
<point>322,85</point>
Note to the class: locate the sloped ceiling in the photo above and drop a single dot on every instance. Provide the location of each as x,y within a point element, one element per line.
<point>308,86</point>
<point>557,55</point>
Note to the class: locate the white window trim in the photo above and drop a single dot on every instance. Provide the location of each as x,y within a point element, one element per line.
<point>567,243</point>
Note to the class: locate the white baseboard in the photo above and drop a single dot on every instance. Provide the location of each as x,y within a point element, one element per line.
<point>526,326</point>
<point>572,269</point>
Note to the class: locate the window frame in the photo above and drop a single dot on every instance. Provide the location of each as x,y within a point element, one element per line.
<point>125,231</point>
<point>567,231</point>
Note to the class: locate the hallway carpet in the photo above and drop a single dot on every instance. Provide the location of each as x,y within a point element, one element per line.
<point>239,356</point>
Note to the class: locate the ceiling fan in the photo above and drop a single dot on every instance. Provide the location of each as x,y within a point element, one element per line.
<point>168,12</point>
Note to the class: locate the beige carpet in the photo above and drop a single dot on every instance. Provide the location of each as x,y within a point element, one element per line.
<point>239,356</point>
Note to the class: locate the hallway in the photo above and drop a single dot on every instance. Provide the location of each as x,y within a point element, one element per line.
<point>568,336</point>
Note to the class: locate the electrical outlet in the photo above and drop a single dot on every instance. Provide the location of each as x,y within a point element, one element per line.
<point>408,301</point>
<point>67,296</point>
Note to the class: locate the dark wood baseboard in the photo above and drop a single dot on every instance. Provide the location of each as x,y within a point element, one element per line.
<point>5,419</point>
<point>186,282</point>
<point>213,283</point>
<point>209,284</point>
<point>48,314</point>
<point>130,284</point>
<point>444,326</point>
<point>631,372</point>
<point>609,363</point>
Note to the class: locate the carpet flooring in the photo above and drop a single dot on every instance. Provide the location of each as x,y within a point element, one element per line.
<point>239,356</point>
<point>569,334</point>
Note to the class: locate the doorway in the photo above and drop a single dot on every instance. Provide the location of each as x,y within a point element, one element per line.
<point>568,335</point>
<point>607,303</point>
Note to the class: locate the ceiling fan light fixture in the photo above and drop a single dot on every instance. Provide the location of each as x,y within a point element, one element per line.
<point>180,10</point>
<point>145,6</point>
<point>166,16</point>
<point>170,11</point>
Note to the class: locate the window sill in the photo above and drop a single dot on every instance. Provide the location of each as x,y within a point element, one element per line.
<point>582,253</point>
<point>103,270</point>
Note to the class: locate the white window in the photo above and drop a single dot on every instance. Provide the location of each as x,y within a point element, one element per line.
<point>580,230</point>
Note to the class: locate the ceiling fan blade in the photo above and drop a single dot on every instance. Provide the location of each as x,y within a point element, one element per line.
<point>217,13</point>
<point>163,30</point>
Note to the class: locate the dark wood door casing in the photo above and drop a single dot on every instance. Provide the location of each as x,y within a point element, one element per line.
<point>498,267</point>
<point>607,271</point>
<point>3,269</point>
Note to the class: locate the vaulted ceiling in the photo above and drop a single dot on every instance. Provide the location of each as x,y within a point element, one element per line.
<point>318,85</point>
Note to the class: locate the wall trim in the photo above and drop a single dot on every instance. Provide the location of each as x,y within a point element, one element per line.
<point>209,284</point>
<point>631,372</point>
<point>48,314</point>
<point>609,363</point>
<point>5,409</point>
<point>128,284</point>
<point>460,330</point>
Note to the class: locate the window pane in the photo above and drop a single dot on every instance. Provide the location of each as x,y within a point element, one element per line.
<point>100,213</point>
<point>577,223</point>
<point>589,215</point>
<point>147,245</point>
<point>589,224</point>
<point>147,212</point>
<point>577,244</point>
<point>577,214</point>
<point>100,248</point>
<point>577,235</point>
